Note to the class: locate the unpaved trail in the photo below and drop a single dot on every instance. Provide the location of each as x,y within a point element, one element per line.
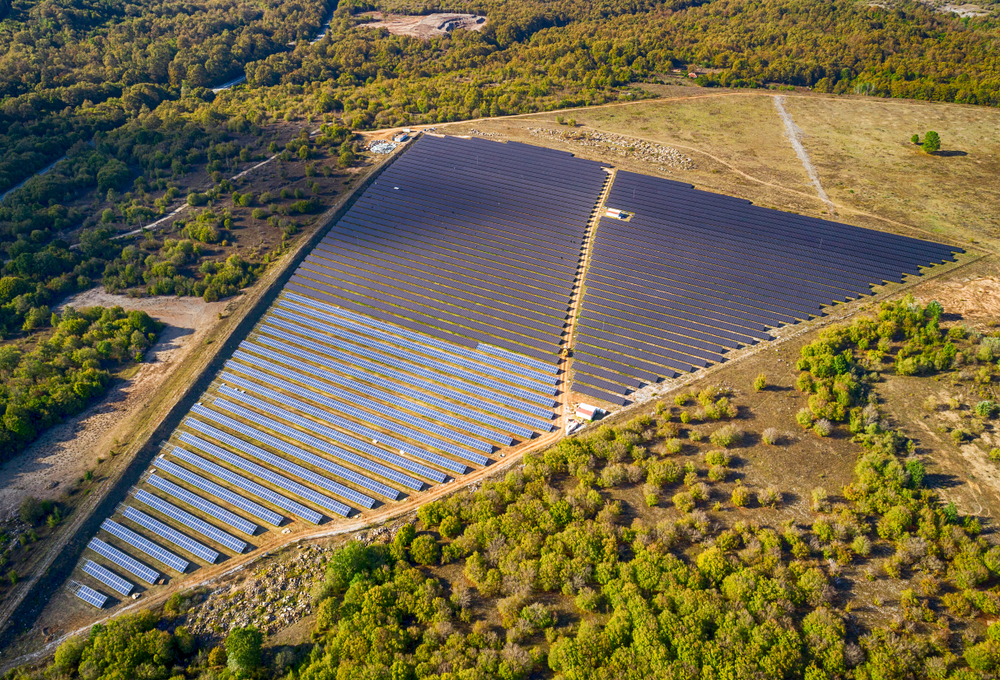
<point>794,134</point>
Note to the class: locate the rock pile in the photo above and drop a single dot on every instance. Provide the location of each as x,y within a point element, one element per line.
<point>474,131</point>
<point>274,597</point>
<point>648,152</point>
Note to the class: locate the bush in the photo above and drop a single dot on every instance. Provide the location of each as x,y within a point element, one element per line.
<point>741,495</point>
<point>451,526</point>
<point>243,649</point>
<point>760,383</point>
<point>823,427</point>
<point>718,458</point>
<point>726,436</point>
<point>32,510</point>
<point>771,436</point>
<point>718,473</point>
<point>672,445</point>
<point>987,409</point>
<point>769,497</point>
<point>683,501</point>
<point>804,418</point>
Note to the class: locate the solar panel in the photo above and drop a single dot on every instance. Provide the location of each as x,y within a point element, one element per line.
<point>219,492</point>
<point>145,545</point>
<point>168,533</point>
<point>315,442</point>
<point>301,454</point>
<point>403,347</point>
<point>359,428</point>
<point>108,577</point>
<point>345,363</point>
<point>285,465</point>
<point>190,521</point>
<point>200,503</point>
<point>356,387</point>
<point>371,382</point>
<point>302,511</point>
<point>427,368</point>
<point>124,561</point>
<point>91,596</point>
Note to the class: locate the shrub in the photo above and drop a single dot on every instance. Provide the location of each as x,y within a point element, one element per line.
<point>862,546</point>
<point>823,427</point>
<point>804,418</point>
<point>820,500</point>
<point>717,458</point>
<point>32,510</point>
<point>718,473</point>
<point>726,436</point>
<point>760,383</point>
<point>769,497</point>
<point>741,495</point>
<point>771,436</point>
<point>987,409</point>
<point>672,445</point>
<point>994,454</point>
<point>243,649</point>
<point>425,550</point>
<point>959,435</point>
<point>683,501</point>
<point>451,526</point>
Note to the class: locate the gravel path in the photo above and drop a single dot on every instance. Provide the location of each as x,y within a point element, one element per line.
<point>794,133</point>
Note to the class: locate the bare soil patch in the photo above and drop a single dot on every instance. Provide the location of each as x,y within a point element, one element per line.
<point>428,26</point>
<point>63,453</point>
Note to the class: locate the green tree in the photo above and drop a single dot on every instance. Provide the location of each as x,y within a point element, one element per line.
<point>425,550</point>
<point>243,649</point>
<point>932,142</point>
<point>915,139</point>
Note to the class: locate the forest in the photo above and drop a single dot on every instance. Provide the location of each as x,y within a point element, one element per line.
<point>556,570</point>
<point>66,368</point>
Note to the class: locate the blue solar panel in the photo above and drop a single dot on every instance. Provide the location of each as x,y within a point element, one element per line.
<point>168,533</point>
<point>219,492</point>
<point>436,374</point>
<point>146,546</point>
<point>299,372</point>
<point>254,488</point>
<point>346,362</point>
<point>200,503</point>
<point>315,442</point>
<point>285,465</point>
<point>345,397</point>
<point>412,351</point>
<point>190,521</point>
<point>500,352</point>
<point>91,596</point>
<point>108,577</point>
<point>352,426</point>
<point>124,561</point>
<point>273,478</point>
<point>544,375</point>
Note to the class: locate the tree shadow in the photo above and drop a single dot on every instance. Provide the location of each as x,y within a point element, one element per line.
<point>950,153</point>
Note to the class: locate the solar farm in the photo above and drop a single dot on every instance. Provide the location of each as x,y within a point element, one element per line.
<point>428,335</point>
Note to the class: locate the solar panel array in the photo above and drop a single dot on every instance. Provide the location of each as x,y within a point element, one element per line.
<point>124,561</point>
<point>145,545</point>
<point>108,577</point>
<point>467,238</point>
<point>91,596</point>
<point>190,521</point>
<point>693,275</point>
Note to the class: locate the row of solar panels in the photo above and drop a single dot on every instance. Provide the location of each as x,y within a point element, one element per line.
<point>694,275</point>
